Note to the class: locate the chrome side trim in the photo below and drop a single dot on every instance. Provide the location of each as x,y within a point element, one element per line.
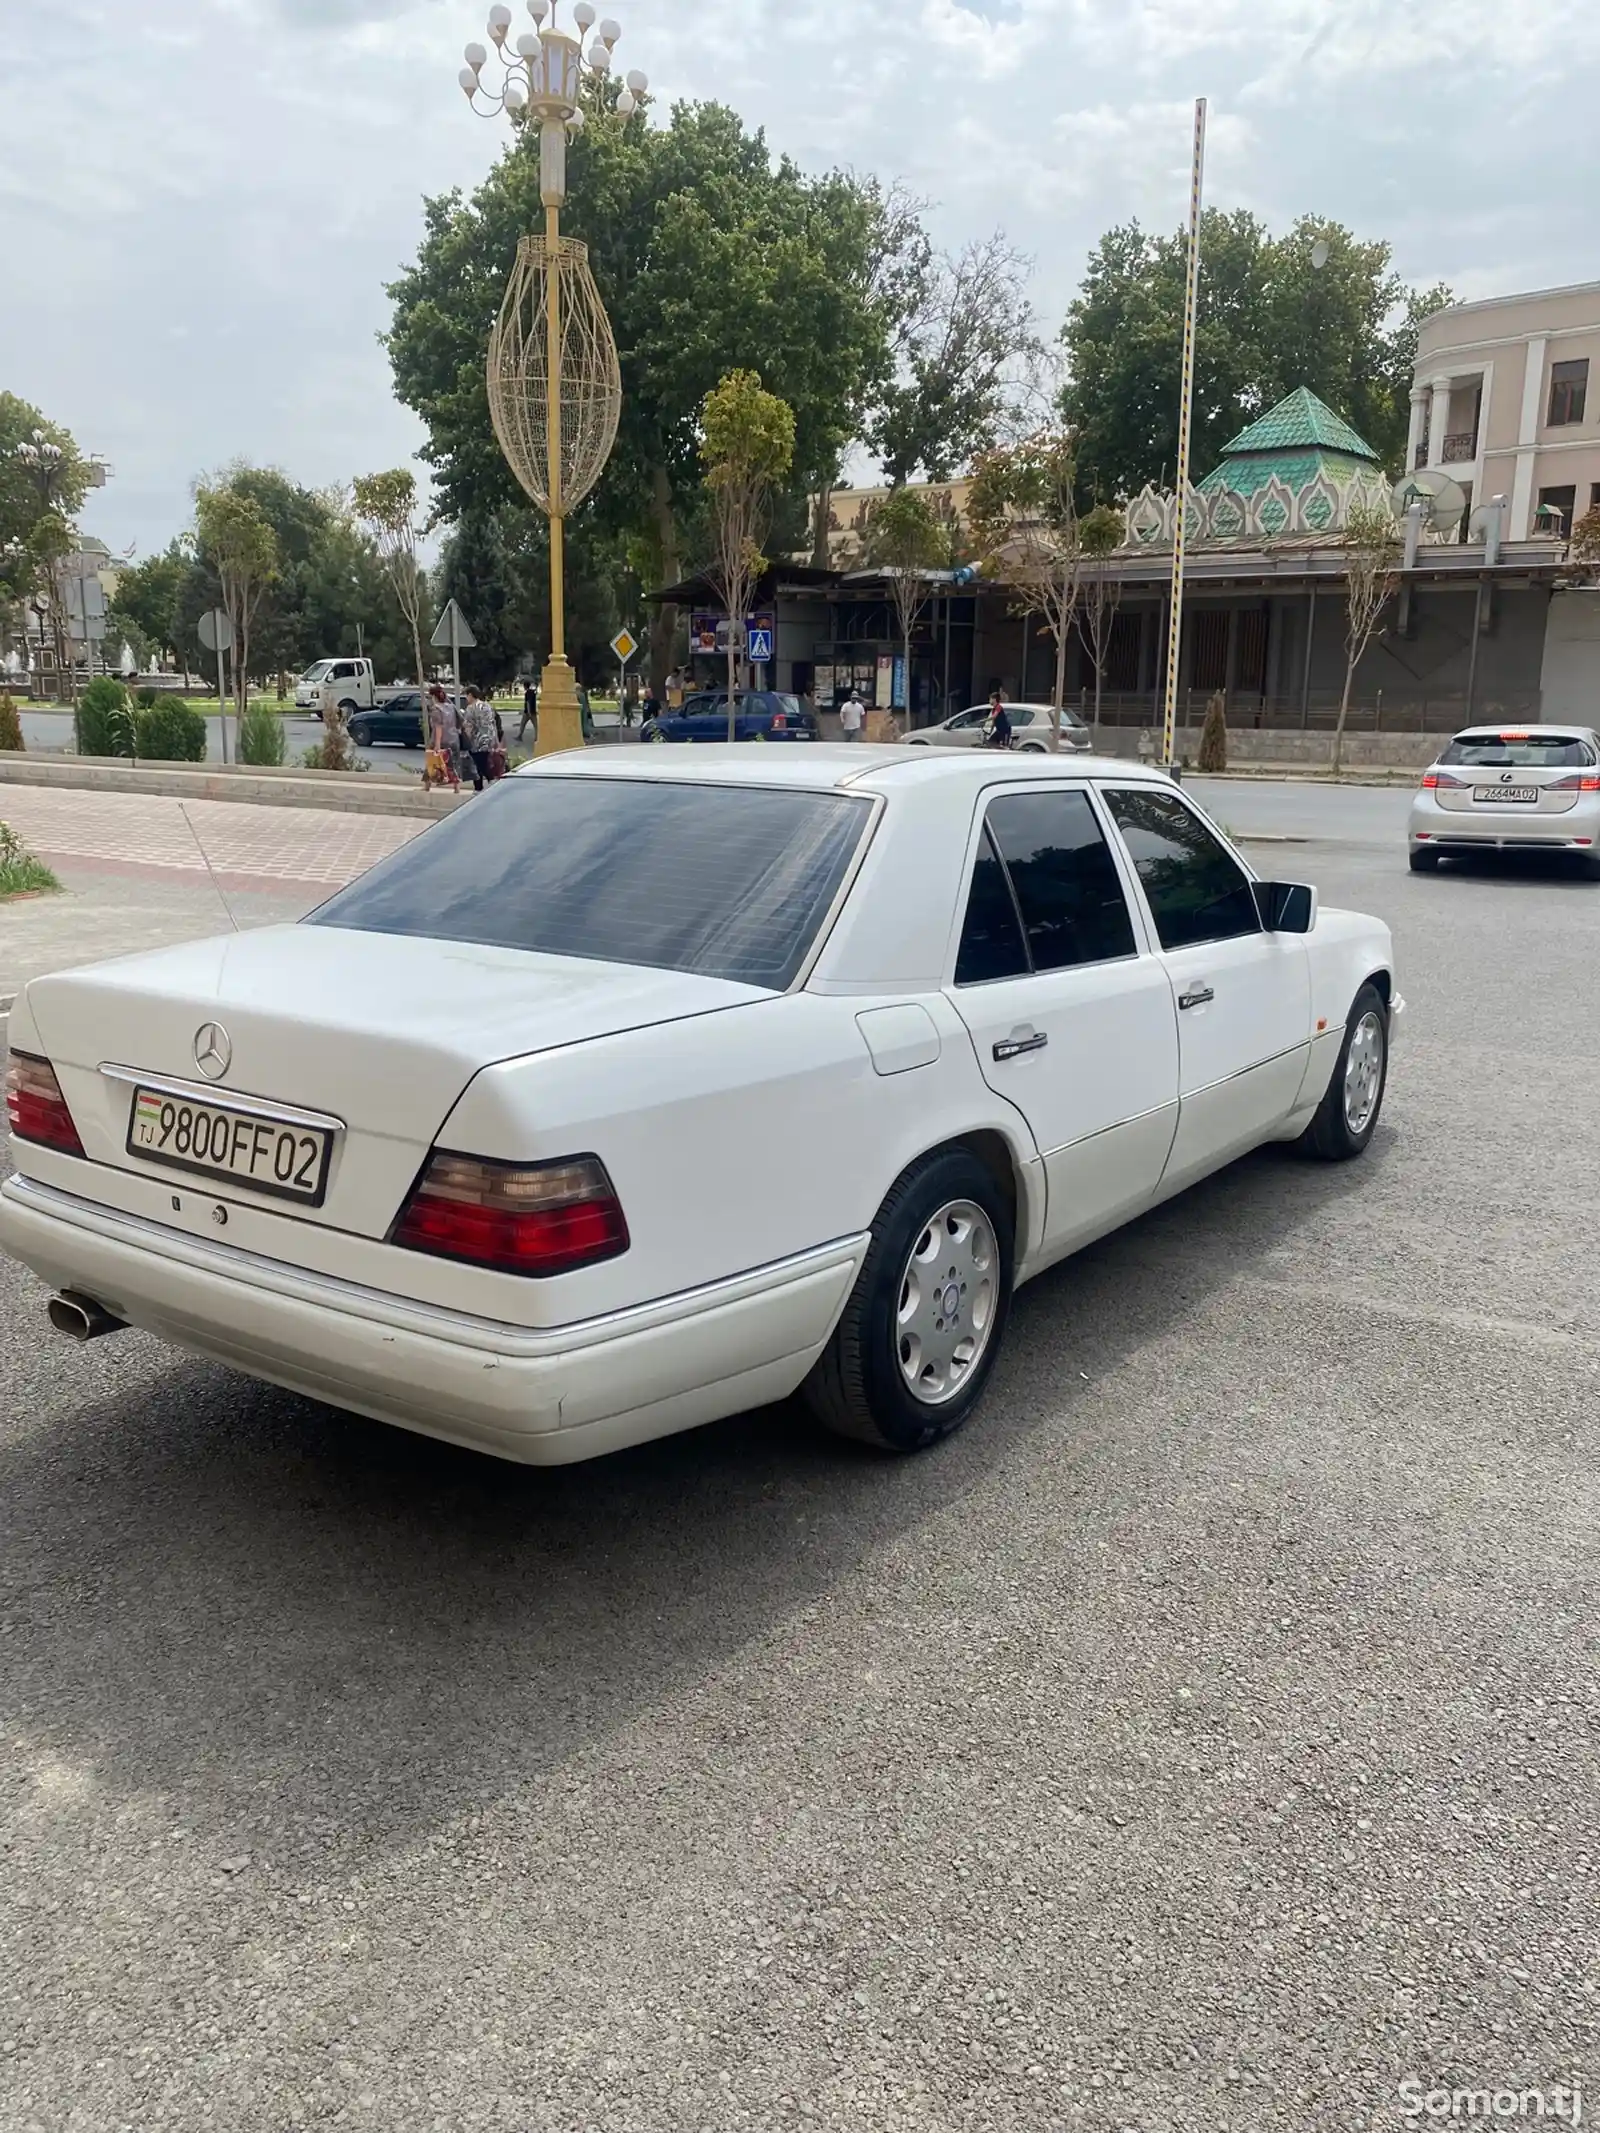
<point>207,1092</point>
<point>492,1335</point>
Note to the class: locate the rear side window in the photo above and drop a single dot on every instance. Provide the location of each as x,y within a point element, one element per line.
<point>1071,901</point>
<point>726,881</point>
<point>1196,890</point>
<point>1513,750</point>
<point>992,945</point>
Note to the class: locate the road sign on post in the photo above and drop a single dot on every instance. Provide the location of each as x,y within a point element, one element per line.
<point>624,644</point>
<point>216,634</point>
<point>760,642</point>
<point>453,630</point>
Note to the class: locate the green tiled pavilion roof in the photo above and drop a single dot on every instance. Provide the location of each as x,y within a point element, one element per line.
<point>1296,469</point>
<point>1300,419</point>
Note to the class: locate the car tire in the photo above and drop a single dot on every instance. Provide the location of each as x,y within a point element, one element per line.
<point>945,1223</point>
<point>348,709</point>
<point>1347,1117</point>
<point>1030,748</point>
<point>1424,862</point>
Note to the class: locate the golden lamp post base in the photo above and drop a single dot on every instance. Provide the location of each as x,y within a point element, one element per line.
<point>560,718</point>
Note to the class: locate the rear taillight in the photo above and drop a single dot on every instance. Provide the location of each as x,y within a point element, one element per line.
<point>36,1107</point>
<point>1580,781</point>
<point>519,1218</point>
<point>1431,779</point>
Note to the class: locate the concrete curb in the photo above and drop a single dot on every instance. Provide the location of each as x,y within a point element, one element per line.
<point>345,793</point>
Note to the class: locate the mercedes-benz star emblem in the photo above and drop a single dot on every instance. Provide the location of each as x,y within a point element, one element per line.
<point>213,1050</point>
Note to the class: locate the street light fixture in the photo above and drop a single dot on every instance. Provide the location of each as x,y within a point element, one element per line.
<point>555,386</point>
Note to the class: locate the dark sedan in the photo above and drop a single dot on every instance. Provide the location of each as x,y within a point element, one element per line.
<point>397,721</point>
<point>758,715</point>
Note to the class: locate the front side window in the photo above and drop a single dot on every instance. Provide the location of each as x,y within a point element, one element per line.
<point>1197,891</point>
<point>725,881</point>
<point>1569,389</point>
<point>1065,879</point>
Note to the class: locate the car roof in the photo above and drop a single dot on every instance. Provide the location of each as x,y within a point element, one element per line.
<point>835,766</point>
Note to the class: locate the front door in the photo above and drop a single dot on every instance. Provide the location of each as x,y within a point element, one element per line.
<point>1243,994</point>
<point>1073,1020</point>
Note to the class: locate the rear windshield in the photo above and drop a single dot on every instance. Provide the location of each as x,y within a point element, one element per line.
<point>1511,750</point>
<point>726,881</point>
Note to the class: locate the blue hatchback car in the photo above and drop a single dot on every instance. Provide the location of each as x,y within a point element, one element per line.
<point>759,715</point>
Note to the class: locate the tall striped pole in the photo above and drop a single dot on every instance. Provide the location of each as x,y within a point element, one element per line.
<point>1191,302</point>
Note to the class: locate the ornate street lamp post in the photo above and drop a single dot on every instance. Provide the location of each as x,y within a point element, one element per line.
<point>555,389</point>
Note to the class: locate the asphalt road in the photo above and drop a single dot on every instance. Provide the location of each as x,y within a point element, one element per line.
<point>1207,1737</point>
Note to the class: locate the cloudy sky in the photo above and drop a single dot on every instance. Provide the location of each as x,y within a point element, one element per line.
<point>202,199</point>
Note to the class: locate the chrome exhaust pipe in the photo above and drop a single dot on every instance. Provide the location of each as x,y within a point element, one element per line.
<point>81,1318</point>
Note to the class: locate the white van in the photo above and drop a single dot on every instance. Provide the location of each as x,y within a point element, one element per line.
<point>351,680</point>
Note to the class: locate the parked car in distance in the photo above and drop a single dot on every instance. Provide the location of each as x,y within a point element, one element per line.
<point>759,715</point>
<point>352,681</point>
<point>1510,789</point>
<point>654,1087</point>
<point>1030,729</point>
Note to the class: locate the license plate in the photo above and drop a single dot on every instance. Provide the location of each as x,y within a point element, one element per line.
<point>268,1155</point>
<point>1495,794</point>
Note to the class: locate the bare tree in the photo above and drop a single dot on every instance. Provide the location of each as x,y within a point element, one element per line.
<point>1025,525</point>
<point>387,505</point>
<point>1100,536</point>
<point>746,448</point>
<point>1372,552</point>
<point>906,539</point>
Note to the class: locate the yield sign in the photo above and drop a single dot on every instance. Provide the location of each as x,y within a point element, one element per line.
<point>453,632</point>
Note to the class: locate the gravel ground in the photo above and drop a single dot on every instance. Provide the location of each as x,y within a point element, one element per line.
<point>1207,1738</point>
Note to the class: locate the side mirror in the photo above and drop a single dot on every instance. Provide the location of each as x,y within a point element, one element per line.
<point>1286,906</point>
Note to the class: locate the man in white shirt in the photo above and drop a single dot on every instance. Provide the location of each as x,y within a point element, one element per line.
<point>852,716</point>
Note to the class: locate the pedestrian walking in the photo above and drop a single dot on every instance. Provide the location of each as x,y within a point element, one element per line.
<point>530,712</point>
<point>478,736</point>
<point>443,738</point>
<point>852,716</point>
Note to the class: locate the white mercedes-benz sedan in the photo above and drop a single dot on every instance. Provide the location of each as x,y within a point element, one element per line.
<point>653,1086</point>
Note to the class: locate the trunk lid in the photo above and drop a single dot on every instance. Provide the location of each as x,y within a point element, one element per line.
<point>380,1031</point>
<point>1485,790</point>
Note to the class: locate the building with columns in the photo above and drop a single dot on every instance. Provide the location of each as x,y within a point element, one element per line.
<point>1502,400</point>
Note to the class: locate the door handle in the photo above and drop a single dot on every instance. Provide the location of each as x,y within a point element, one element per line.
<point>1009,1047</point>
<point>1196,996</point>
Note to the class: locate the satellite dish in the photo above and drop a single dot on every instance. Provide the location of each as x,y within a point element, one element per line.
<point>1319,253</point>
<point>1478,525</point>
<point>1444,501</point>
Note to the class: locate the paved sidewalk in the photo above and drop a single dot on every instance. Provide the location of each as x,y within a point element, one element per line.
<point>247,847</point>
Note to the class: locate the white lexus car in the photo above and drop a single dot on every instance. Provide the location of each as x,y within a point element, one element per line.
<point>1510,789</point>
<point>648,1089</point>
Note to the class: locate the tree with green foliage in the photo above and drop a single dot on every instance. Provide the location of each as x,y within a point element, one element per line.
<point>103,720</point>
<point>497,565</point>
<point>906,539</point>
<point>237,539</point>
<point>964,350</point>
<point>710,256</point>
<point>11,741</point>
<point>146,602</point>
<point>42,475</point>
<point>261,737</point>
<point>1023,515</point>
<point>746,448</point>
<point>1269,320</point>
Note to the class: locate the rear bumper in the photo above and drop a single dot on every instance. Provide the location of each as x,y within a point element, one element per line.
<point>543,1398</point>
<point>1503,829</point>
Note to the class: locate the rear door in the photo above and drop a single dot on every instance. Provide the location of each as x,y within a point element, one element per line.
<point>1070,1013</point>
<point>1243,994</point>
